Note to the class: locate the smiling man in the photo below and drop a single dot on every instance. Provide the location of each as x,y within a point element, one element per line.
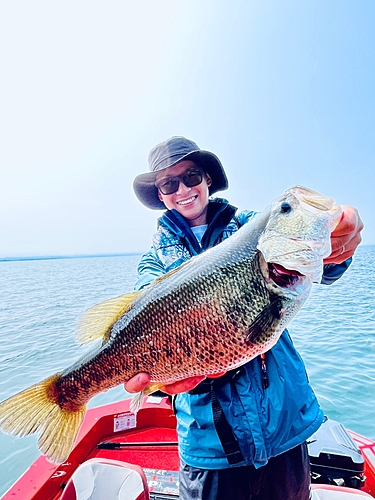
<point>185,188</point>
<point>242,435</point>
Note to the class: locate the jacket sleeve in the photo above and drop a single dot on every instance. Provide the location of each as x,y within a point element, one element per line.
<point>245,216</point>
<point>332,272</point>
<point>149,268</point>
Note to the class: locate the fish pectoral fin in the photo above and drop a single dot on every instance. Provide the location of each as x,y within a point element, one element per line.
<point>265,321</point>
<point>37,410</point>
<point>97,321</point>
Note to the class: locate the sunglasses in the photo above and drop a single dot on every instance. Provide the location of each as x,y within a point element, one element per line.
<point>170,185</point>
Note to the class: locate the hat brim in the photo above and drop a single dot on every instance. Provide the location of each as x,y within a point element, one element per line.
<point>147,193</point>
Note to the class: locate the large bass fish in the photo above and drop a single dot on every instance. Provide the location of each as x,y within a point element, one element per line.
<point>214,313</point>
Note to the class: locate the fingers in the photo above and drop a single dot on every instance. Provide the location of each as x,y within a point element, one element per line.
<point>183,385</point>
<point>141,380</point>
<point>137,383</point>
<point>188,384</point>
<point>350,222</point>
<point>343,248</point>
<point>216,375</point>
<point>346,236</point>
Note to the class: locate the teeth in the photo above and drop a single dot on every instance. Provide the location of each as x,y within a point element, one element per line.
<point>185,202</point>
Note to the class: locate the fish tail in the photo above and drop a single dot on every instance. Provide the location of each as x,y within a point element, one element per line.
<point>37,410</point>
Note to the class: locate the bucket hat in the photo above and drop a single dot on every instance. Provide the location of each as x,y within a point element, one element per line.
<point>169,153</point>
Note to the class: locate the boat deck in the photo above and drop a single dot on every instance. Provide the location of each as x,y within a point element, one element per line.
<point>148,439</point>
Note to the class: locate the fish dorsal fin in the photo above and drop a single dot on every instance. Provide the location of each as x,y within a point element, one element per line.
<point>168,274</point>
<point>97,321</point>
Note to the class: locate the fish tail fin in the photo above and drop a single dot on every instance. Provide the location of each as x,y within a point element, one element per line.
<point>37,410</point>
<point>137,401</point>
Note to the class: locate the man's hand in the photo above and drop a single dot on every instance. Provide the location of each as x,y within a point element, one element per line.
<point>141,381</point>
<point>346,236</point>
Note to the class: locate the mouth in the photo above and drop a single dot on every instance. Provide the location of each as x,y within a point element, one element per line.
<point>187,201</point>
<point>284,278</point>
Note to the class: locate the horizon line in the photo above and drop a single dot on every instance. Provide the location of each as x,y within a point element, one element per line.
<point>56,257</point>
<point>87,256</point>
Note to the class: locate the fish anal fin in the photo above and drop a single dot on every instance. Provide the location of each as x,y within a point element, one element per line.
<point>35,411</point>
<point>97,321</point>
<point>137,401</point>
<point>264,321</point>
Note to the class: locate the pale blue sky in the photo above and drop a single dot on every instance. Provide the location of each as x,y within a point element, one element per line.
<point>281,91</point>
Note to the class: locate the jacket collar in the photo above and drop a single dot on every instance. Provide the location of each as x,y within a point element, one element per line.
<point>219,214</point>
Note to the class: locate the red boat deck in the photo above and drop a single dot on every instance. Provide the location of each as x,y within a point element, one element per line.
<point>146,445</point>
<point>148,440</point>
<point>367,448</point>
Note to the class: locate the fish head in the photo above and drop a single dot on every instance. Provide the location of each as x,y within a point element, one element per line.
<point>296,237</point>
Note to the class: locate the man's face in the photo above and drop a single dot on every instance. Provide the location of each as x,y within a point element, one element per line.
<point>190,202</point>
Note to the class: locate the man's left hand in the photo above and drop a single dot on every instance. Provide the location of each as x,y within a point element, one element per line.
<point>346,236</point>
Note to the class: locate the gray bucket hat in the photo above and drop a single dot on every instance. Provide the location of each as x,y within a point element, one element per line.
<point>169,153</point>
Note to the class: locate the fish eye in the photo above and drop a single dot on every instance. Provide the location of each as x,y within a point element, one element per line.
<point>285,208</point>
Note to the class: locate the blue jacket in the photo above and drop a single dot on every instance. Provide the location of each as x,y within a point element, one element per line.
<point>265,422</point>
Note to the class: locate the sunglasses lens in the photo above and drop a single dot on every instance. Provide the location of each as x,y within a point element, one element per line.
<point>192,179</point>
<point>170,185</point>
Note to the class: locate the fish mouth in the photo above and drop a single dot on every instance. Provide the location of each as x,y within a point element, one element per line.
<point>284,278</point>
<point>279,276</point>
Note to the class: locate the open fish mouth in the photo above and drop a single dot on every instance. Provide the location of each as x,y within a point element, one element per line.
<point>279,276</point>
<point>284,278</point>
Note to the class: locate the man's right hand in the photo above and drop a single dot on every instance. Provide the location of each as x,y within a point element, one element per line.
<point>141,381</point>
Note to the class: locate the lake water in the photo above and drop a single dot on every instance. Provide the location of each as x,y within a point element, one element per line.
<point>41,301</point>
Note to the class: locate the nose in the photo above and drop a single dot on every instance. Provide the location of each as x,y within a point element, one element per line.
<point>182,188</point>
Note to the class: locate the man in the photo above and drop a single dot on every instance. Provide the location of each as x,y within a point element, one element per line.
<point>241,436</point>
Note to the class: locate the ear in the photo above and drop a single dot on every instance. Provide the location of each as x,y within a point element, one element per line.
<point>160,196</point>
<point>208,180</point>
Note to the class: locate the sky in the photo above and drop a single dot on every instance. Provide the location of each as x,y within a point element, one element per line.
<point>281,91</point>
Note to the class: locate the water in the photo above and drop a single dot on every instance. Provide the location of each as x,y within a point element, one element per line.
<point>40,302</point>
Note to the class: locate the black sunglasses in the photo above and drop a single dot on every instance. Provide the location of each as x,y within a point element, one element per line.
<point>170,185</point>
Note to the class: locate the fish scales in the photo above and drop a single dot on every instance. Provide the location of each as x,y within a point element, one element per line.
<point>218,323</point>
<point>203,331</point>
<point>214,313</point>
